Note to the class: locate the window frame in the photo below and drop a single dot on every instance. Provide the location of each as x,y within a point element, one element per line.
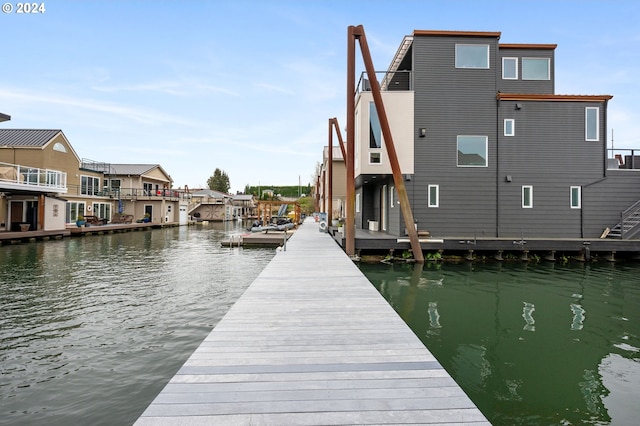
<point>586,124</point>
<point>391,197</point>
<point>548,61</point>
<point>578,197</point>
<point>513,126</point>
<point>488,61</point>
<point>371,155</point>
<point>436,189</point>
<point>527,203</point>
<point>375,128</point>
<point>357,203</point>
<point>515,59</point>
<point>85,186</point>
<point>486,150</point>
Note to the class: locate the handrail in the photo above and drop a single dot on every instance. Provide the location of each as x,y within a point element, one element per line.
<point>626,214</point>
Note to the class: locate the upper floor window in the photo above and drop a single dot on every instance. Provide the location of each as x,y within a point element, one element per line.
<point>59,147</point>
<point>374,158</point>
<point>592,124</point>
<point>510,68</point>
<point>89,185</point>
<point>472,56</point>
<point>536,69</point>
<point>509,127</point>
<point>375,131</point>
<point>472,151</point>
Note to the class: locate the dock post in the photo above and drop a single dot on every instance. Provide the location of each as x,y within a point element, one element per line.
<point>469,256</point>
<point>498,256</point>
<point>524,256</point>
<point>551,257</point>
<point>611,257</point>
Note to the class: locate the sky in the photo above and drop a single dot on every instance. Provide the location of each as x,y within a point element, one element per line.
<point>249,86</point>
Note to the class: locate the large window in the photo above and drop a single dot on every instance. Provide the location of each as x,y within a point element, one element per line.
<point>510,68</point>
<point>509,127</point>
<point>472,151</point>
<point>102,210</point>
<point>527,197</point>
<point>375,131</point>
<point>89,185</point>
<point>576,197</point>
<point>472,56</point>
<point>433,194</point>
<point>74,209</point>
<point>536,69</point>
<point>592,124</point>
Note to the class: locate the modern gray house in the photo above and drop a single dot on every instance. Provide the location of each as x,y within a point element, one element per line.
<point>487,148</point>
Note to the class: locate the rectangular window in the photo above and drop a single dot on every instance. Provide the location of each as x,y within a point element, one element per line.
<point>509,127</point>
<point>357,203</point>
<point>527,197</point>
<point>102,210</point>
<point>434,195</point>
<point>74,209</point>
<point>536,69</point>
<point>391,196</point>
<point>374,158</point>
<point>472,56</point>
<point>576,197</point>
<point>375,131</point>
<point>592,123</point>
<point>472,151</point>
<point>510,68</point>
<point>147,188</point>
<point>89,185</point>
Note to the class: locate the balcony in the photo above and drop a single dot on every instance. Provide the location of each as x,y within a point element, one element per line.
<point>15,177</point>
<point>127,193</point>
<point>626,159</point>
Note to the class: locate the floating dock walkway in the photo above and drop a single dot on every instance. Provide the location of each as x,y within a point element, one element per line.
<point>311,342</point>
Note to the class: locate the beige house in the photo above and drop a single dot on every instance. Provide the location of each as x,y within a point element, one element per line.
<point>44,184</point>
<point>211,205</point>
<point>339,187</point>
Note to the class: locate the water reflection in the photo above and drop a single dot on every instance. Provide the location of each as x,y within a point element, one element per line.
<point>549,370</point>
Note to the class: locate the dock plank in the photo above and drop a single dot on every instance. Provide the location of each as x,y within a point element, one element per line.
<point>311,341</point>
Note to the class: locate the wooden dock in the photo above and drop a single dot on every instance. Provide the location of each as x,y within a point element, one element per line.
<point>311,342</point>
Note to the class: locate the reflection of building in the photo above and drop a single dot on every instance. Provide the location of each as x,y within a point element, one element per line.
<point>485,145</point>
<point>46,186</point>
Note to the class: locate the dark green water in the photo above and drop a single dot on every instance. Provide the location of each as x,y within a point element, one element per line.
<point>92,328</point>
<point>530,344</point>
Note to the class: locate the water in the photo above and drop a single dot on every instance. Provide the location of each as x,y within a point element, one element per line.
<point>92,328</point>
<point>530,344</point>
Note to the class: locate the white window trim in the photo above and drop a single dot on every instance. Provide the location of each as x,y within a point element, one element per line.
<point>472,68</point>
<point>373,151</point>
<point>437,189</point>
<point>530,187</point>
<point>548,70</point>
<point>586,124</point>
<point>510,78</point>
<point>358,203</point>
<point>391,197</point>
<point>579,206</point>
<point>513,126</point>
<point>486,151</point>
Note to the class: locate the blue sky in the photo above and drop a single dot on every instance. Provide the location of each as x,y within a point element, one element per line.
<point>248,86</point>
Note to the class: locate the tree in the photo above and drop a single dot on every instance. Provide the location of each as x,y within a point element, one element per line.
<point>219,181</point>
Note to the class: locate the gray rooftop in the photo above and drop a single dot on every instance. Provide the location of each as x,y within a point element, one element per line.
<point>131,169</point>
<point>26,137</point>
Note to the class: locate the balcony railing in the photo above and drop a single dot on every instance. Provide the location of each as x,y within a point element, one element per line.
<point>389,81</point>
<point>15,176</point>
<point>128,193</point>
<point>623,159</point>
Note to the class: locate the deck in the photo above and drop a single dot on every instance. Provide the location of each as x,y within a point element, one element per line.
<point>311,341</point>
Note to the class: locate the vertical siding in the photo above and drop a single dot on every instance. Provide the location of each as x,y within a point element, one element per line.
<point>451,102</point>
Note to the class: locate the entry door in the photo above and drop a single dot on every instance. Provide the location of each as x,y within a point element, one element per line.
<point>148,208</point>
<point>17,213</point>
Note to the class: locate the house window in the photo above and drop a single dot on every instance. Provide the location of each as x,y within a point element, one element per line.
<point>509,127</point>
<point>357,141</point>
<point>74,209</point>
<point>391,196</point>
<point>102,210</point>
<point>472,151</point>
<point>374,158</point>
<point>576,197</point>
<point>375,131</point>
<point>510,68</point>
<point>433,195</point>
<point>592,123</point>
<point>472,56</point>
<point>147,188</point>
<point>527,197</point>
<point>89,185</point>
<point>357,203</point>
<point>59,147</point>
<point>536,69</point>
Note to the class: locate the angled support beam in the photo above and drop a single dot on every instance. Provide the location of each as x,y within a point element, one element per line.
<point>403,198</point>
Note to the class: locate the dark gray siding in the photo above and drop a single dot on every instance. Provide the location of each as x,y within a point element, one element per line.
<point>451,102</point>
<point>526,86</point>
<point>550,153</point>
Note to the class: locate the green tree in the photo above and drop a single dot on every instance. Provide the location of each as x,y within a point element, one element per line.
<point>219,181</point>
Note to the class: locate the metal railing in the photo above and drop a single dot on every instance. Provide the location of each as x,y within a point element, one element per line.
<point>128,193</point>
<point>18,176</point>
<point>389,81</point>
<point>623,159</point>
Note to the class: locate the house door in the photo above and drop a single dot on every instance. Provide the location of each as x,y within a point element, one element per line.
<point>17,213</point>
<point>148,208</point>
